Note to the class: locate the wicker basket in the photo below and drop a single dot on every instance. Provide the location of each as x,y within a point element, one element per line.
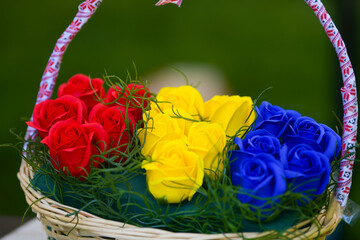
<point>60,222</point>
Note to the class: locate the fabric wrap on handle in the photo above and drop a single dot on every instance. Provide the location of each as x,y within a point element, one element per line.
<point>86,10</point>
<point>349,97</point>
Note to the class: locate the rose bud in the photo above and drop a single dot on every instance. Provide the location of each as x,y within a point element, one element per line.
<point>72,146</point>
<point>319,136</point>
<point>208,140</point>
<point>119,124</point>
<point>134,97</point>
<point>275,119</point>
<point>231,112</point>
<point>175,173</point>
<point>261,178</point>
<point>185,97</point>
<point>49,112</point>
<point>83,87</point>
<point>259,141</point>
<point>307,170</point>
<point>163,126</point>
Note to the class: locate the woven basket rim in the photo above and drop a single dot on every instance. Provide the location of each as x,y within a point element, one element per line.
<point>58,222</point>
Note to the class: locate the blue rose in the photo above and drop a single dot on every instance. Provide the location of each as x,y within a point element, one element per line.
<point>275,119</point>
<point>259,176</point>
<point>306,170</point>
<point>319,136</point>
<point>259,141</point>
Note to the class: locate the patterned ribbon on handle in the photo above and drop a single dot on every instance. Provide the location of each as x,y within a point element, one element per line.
<point>349,97</point>
<point>163,2</point>
<point>86,10</point>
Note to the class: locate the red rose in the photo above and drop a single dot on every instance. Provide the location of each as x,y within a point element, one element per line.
<point>49,112</point>
<point>83,87</point>
<point>117,123</point>
<point>134,95</point>
<point>72,144</point>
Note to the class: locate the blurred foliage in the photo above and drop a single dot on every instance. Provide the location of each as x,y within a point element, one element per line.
<point>257,44</point>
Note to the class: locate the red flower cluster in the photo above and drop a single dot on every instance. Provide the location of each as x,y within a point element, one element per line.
<point>76,125</point>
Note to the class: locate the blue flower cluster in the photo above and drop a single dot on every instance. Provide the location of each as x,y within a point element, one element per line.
<point>284,151</point>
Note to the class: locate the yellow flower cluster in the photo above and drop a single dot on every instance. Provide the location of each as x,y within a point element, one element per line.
<point>184,137</point>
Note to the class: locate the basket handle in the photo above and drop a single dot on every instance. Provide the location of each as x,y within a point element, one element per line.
<point>86,11</point>
<point>348,91</point>
<point>349,97</point>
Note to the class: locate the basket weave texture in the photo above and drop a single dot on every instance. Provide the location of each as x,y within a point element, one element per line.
<point>60,222</point>
<point>65,222</point>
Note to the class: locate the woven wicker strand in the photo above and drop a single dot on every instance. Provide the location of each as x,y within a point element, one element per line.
<point>60,222</point>
<point>65,222</point>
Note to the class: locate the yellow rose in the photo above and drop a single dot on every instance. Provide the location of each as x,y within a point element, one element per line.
<point>174,173</point>
<point>232,112</point>
<point>163,126</point>
<point>208,141</point>
<point>185,97</point>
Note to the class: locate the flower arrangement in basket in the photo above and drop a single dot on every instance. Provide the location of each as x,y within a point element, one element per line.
<point>108,159</point>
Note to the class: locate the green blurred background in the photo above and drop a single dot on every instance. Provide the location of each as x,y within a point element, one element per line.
<point>255,44</point>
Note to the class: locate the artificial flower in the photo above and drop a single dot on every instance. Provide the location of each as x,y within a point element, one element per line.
<point>233,113</point>
<point>174,173</point>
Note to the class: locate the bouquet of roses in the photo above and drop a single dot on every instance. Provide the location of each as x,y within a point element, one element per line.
<point>174,161</point>
<point>280,151</point>
<point>85,120</point>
